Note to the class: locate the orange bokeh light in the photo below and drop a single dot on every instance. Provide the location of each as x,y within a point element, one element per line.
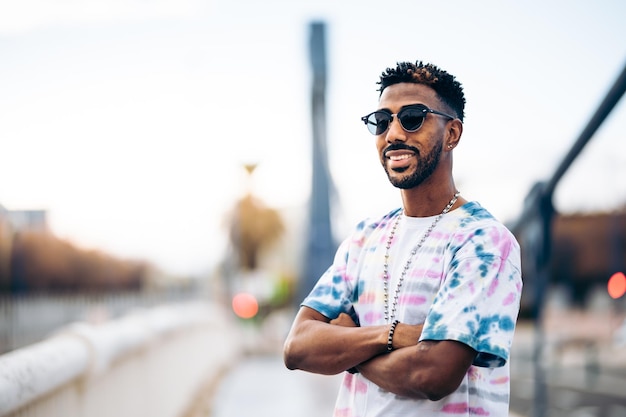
<point>245,305</point>
<point>617,285</point>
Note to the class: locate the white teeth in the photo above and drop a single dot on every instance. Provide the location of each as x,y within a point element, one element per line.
<point>400,157</point>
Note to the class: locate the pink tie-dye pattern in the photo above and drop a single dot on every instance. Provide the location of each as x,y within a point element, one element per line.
<point>509,299</point>
<point>463,408</point>
<point>498,381</point>
<point>473,374</point>
<point>367,297</point>
<point>412,299</point>
<point>455,408</point>
<point>342,412</point>
<point>493,287</point>
<point>495,236</point>
<point>372,317</point>
<point>359,386</point>
<point>505,248</point>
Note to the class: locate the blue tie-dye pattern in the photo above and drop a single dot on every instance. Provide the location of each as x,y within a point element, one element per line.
<point>337,294</point>
<point>484,270</point>
<point>502,322</point>
<point>455,282</point>
<point>321,291</point>
<point>469,309</point>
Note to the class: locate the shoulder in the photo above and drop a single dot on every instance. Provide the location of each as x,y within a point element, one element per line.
<point>474,218</point>
<point>472,213</point>
<point>476,227</point>
<point>365,234</point>
<point>371,224</point>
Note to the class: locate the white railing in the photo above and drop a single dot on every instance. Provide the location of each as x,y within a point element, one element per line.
<point>148,363</point>
<point>29,318</point>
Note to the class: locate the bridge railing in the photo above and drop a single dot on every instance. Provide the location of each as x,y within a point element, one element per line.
<point>29,318</point>
<point>151,362</point>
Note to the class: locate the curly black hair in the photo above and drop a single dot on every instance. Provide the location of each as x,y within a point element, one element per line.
<point>449,90</point>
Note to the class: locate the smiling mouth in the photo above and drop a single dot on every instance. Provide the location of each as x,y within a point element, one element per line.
<point>400,157</point>
<point>399,154</point>
<point>399,160</point>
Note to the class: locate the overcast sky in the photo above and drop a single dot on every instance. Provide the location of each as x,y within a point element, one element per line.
<point>129,121</point>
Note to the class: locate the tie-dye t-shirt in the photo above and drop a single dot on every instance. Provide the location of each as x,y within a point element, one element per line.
<point>463,284</point>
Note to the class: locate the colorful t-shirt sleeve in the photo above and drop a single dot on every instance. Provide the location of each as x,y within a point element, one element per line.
<point>478,301</point>
<point>332,293</point>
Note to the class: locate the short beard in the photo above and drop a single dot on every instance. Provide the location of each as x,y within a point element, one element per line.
<point>425,167</point>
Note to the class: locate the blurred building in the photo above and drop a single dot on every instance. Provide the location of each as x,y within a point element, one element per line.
<point>587,249</point>
<point>11,223</point>
<point>6,233</point>
<point>34,220</point>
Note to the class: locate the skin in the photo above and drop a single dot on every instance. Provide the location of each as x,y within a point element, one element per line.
<point>428,369</point>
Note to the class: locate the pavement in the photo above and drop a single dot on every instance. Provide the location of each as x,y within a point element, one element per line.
<point>261,386</point>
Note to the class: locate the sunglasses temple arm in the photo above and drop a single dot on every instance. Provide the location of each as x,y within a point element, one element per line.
<point>441,114</point>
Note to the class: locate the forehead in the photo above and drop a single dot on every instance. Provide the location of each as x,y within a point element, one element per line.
<point>399,95</point>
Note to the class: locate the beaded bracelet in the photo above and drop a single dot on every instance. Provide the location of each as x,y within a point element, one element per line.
<point>392,329</point>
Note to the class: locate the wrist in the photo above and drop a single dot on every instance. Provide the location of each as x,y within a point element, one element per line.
<point>392,330</point>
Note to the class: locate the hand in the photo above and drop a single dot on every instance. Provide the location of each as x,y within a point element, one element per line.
<point>406,335</point>
<point>344,320</point>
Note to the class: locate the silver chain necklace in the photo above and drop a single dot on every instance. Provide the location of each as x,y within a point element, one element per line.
<point>390,317</point>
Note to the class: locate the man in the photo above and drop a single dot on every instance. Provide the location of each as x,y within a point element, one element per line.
<point>419,306</point>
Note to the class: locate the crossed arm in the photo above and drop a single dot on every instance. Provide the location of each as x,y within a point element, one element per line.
<point>428,369</point>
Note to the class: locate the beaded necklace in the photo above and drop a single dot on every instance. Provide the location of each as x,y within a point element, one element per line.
<point>389,317</point>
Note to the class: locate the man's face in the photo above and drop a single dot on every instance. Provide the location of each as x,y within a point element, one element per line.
<point>410,158</point>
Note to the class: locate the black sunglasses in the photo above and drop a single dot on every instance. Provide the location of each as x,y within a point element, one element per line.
<point>410,117</point>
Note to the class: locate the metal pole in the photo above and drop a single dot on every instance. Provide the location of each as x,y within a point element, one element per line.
<point>610,101</point>
<point>320,247</point>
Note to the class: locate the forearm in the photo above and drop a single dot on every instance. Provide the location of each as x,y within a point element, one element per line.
<point>392,373</point>
<point>317,346</point>
<point>429,369</point>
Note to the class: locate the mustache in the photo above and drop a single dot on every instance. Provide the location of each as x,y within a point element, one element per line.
<point>399,147</point>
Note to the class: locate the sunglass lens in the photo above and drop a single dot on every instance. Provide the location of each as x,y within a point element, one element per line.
<point>378,122</point>
<point>411,119</point>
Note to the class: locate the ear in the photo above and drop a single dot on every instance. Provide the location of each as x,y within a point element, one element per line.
<point>453,134</point>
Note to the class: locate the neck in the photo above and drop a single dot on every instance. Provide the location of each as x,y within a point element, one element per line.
<point>425,202</point>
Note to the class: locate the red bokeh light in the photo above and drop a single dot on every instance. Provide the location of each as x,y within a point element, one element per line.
<point>617,285</point>
<point>245,305</point>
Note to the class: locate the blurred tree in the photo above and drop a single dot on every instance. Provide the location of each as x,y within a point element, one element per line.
<point>42,262</point>
<point>254,227</point>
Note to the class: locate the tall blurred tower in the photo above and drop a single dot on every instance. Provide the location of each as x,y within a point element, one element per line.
<point>320,247</point>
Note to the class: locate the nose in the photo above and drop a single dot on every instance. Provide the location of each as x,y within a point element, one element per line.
<point>395,132</point>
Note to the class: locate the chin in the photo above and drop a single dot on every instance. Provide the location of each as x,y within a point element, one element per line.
<point>402,182</point>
